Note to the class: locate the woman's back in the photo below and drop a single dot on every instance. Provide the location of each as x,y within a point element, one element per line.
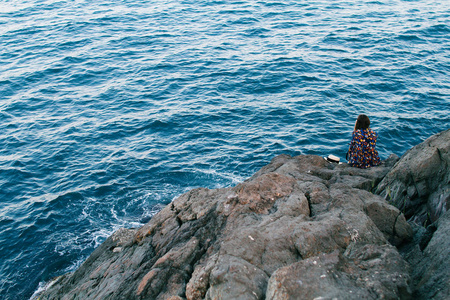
<point>362,152</point>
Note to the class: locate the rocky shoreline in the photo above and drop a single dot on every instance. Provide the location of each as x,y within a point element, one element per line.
<point>300,228</point>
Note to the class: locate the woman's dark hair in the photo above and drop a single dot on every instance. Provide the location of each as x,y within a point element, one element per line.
<point>362,122</point>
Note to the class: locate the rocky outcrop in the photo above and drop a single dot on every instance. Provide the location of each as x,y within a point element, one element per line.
<point>300,228</point>
<point>430,272</point>
<point>420,183</point>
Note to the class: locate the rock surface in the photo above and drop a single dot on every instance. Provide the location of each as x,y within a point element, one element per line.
<point>431,271</point>
<point>300,228</point>
<point>419,184</point>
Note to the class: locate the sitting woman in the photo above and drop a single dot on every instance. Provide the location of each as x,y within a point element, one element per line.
<point>362,153</point>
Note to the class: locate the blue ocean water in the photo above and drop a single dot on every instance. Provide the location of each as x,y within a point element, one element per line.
<point>110,109</point>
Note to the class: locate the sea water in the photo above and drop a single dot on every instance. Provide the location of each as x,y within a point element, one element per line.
<point>111,109</point>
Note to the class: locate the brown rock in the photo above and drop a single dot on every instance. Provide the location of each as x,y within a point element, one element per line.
<point>300,228</point>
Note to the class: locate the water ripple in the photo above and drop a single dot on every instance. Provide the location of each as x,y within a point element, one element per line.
<point>110,110</point>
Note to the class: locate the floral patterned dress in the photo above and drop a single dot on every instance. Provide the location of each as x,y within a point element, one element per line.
<point>362,152</point>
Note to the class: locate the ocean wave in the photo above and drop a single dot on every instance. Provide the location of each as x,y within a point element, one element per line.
<point>109,111</point>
